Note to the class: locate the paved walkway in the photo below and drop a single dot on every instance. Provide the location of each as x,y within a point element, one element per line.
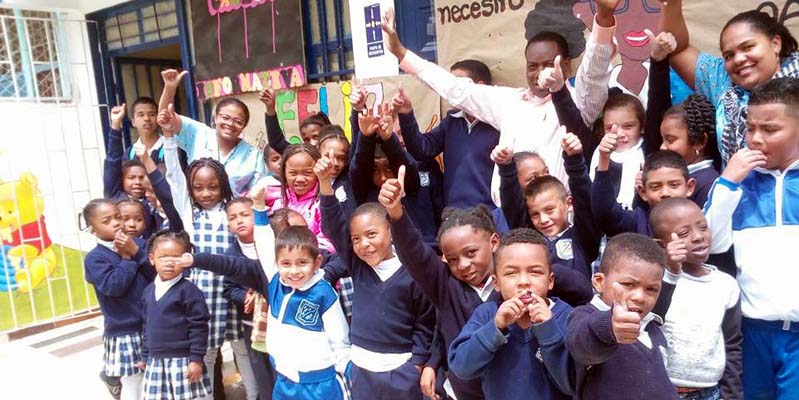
<point>64,363</point>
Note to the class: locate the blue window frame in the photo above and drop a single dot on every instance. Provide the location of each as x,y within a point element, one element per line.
<point>328,38</point>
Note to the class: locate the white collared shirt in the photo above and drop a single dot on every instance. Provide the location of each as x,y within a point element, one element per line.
<point>387,268</point>
<point>162,286</point>
<point>643,335</point>
<point>485,291</point>
<point>108,245</point>
<point>248,249</point>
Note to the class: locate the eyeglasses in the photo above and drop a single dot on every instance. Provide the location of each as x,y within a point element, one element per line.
<point>650,6</point>
<point>228,119</point>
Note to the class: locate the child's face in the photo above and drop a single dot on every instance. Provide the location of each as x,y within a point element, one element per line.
<point>523,268</point>
<point>639,280</point>
<point>133,182</point>
<point>774,130</point>
<point>205,188</point>
<point>299,173</point>
<point>106,222</point>
<point>629,127</point>
<point>144,116</point>
<point>241,221</point>
<point>230,120</point>
<point>690,225</point>
<point>549,212</point>
<point>340,154</point>
<point>382,172</point>
<point>296,266</point>
<point>663,183</point>
<point>149,194</point>
<point>165,258</point>
<point>310,134</point>
<point>371,238</point>
<point>132,219</point>
<point>530,168</point>
<point>469,253</point>
<point>273,162</point>
<point>674,133</point>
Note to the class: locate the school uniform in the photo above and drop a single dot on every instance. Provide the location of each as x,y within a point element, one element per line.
<point>705,174</point>
<point>175,334</point>
<point>170,218</point>
<point>157,154</point>
<point>309,316</point>
<point>759,216</point>
<point>466,148</point>
<point>515,363</point>
<point>610,216</point>
<point>606,369</point>
<point>119,284</point>
<point>453,299</point>
<point>384,355</point>
<point>571,251</point>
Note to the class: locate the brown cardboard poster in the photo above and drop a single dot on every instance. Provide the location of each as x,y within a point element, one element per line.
<point>496,31</point>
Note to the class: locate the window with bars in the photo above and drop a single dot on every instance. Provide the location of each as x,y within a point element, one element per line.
<point>141,26</point>
<point>31,56</point>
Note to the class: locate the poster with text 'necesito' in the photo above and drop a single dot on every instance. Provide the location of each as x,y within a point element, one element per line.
<point>372,58</point>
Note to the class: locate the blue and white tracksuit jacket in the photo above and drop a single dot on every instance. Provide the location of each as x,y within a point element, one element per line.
<point>760,216</point>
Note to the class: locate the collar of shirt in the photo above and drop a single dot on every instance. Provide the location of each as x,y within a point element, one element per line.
<point>387,268</point>
<point>108,245</point>
<point>248,249</point>
<point>558,236</point>
<point>469,125</point>
<point>162,286</point>
<point>485,291</point>
<point>703,278</point>
<point>643,336</point>
<point>699,166</point>
<point>216,214</point>
<point>157,145</point>
<point>527,95</point>
<point>316,277</point>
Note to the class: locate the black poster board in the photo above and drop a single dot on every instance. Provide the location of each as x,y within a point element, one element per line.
<point>247,45</point>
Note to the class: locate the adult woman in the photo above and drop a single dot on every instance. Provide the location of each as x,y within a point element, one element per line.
<point>754,49</point>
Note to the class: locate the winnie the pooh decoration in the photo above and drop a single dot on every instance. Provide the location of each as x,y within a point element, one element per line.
<point>28,256</point>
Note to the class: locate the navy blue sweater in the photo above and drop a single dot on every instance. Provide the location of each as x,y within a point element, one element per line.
<point>608,370</point>
<point>467,161</point>
<point>515,363</point>
<point>423,196</point>
<point>177,324</point>
<point>233,291</point>
<point>571,253</point>
<point>704,176</point>
<point>164,195</point>
<point>119,284</point>
<point>454,300</point>
<point>406,317</point>
<point>610,216</point>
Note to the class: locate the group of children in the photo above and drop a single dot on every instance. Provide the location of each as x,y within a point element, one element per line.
<point>352,266</point>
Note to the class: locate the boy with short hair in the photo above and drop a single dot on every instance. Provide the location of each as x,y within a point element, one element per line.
<point>544,205</point>
<point>754,205</point>
<point>616,339</point>
<point>665,175</point>
<point>703,324</point>
<point>517,345</point>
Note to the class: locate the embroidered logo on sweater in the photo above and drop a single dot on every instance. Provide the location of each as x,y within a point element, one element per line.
<point>307,313</point>
<point>424,179</point>
<point>564,249</point>
<point>341,194</point>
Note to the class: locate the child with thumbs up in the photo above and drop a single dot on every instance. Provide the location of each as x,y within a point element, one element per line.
<point>616,340</point>
<point>516,344</point>
<point>392,320</point>
<point>704,354</point>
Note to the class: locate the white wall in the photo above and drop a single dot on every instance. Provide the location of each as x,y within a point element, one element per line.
<point>80,6</point>
<point>59,143</point>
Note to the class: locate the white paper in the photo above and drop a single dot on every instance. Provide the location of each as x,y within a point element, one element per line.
<point>372,58</point>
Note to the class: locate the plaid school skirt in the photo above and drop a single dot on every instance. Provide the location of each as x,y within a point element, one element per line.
<point>166,379</point>
<point>121,354</point>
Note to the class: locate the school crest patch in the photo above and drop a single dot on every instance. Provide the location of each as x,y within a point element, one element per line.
<point>341,194</point>
<point>424,179</point>
<point>307,313</point>
<point>564,249</point>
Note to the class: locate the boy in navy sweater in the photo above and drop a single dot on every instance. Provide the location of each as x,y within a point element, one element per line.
<point>616,340</point>
<point>545,206</point>
<point>665,175</point>
<point>517,344</point>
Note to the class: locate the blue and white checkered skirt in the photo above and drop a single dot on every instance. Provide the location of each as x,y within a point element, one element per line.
<point>234,328</point>
<point>166,379</point>
<point>211,236</point>
<point>121,354</point>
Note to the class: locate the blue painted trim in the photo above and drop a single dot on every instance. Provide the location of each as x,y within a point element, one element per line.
<point>142,47</point>
<point>322,23</point>
<point>185,57</point>
<point>120,92</point>
<point>337,8</point>
<point>105,90</point>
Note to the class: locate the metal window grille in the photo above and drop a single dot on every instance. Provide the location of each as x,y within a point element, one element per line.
<point>328,41</point>
<point>140,26</point>
<point>31,56</point>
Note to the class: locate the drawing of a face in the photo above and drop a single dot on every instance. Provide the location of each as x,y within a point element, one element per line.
<point>632,17</point>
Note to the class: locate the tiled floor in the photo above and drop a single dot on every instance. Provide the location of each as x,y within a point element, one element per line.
<point>64,363</point>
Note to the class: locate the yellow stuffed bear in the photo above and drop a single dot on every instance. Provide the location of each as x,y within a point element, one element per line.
<point>22,227</point>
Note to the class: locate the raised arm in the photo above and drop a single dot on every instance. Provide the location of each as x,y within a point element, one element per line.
<point>422,146</point>
<point>277,140</point>
<point>590,338</point>
<point>334,223</point>
<point>685,56</point>
<point>580,186</point>
<point>112,166</point>
<point>362,163</point>
<point>172,80</point>
<point>659,94</point>
<point>609,215</point>
<point>178,188</point>
<point>161,189</point>
<point>593,74</point>
<point>240,270</point>
<point>510,193</point>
